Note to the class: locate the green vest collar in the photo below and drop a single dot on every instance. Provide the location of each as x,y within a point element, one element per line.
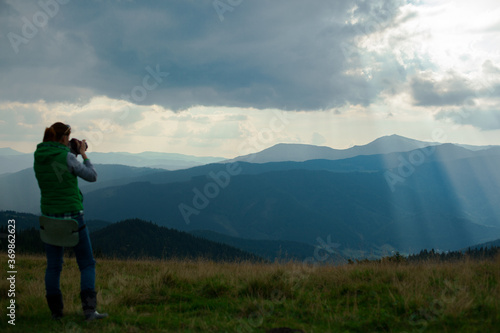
<point>53,144</point>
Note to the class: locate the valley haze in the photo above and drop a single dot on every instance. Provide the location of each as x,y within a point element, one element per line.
<point>392,194</point>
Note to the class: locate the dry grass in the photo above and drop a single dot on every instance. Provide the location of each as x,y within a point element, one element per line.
<point>203,296</point>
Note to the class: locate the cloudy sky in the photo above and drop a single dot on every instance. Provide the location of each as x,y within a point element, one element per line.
<point>227,77</point>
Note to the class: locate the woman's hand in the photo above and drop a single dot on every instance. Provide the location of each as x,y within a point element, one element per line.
<point>83,148</point>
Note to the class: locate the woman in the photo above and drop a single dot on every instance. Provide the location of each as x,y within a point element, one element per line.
<point>56,170</point>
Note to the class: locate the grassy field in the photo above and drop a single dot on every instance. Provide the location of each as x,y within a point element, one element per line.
<point>201,296</point>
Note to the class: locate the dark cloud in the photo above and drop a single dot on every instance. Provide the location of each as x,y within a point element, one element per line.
<point>283,54</point>
<point>473,111</point>
<point>454,90</point>
<point>484,119</point>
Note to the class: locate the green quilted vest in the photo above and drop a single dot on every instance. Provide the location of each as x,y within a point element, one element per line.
<point>58,186</point>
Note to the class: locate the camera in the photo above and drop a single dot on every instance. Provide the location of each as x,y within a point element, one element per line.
<point>74,145</point>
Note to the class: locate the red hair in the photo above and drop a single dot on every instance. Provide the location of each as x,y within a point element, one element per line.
<point>56,132</point>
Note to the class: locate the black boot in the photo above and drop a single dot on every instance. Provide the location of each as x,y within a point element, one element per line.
<point>55,305</point>
<point>89,304</point>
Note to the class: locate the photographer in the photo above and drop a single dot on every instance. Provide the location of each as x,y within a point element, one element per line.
<point>56,170</point>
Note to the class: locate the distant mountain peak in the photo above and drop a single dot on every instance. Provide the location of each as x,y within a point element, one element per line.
<point>297,152</point>
<point>397,143</point>
<point>9,152</point>
<point>399,138</point>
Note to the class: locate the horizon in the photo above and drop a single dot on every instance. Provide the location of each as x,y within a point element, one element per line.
<point>275,144</point>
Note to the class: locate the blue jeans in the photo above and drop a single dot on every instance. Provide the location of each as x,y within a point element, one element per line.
<point>84,258</point>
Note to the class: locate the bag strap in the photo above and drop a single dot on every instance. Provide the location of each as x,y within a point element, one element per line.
<point>79,229</point>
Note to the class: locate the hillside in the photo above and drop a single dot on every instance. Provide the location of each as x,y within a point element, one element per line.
<point>131,239</point>
<point>270,250</point>
<point>495,243</point>
<point>139,239</point>
<point>30,221</point>
<point>442,197</point>
<point>19,191</point>
<point>357,209</point>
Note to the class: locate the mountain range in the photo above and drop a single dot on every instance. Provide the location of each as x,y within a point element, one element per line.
<point>392,194</point>
<point>129,239</point>
<point>122,239</point>
<point>13,161</point>
<point>300,152</point>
